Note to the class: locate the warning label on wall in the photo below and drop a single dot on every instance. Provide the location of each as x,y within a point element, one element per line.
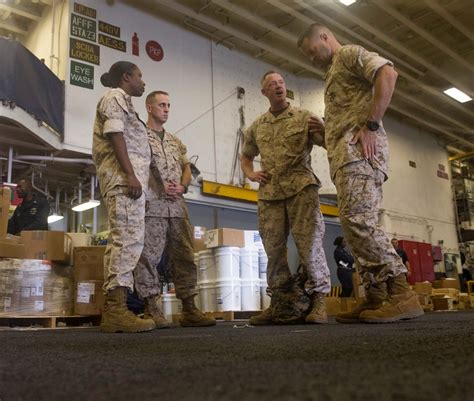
<point>113,43</point>
<point>84,51</point>
<point>83,27</point>
<point>81,75</point>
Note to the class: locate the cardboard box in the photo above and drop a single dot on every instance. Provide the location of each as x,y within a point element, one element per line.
<point>225,237</point>
<point>424,299</point>
<point>446,283</point>
<point>89,298</point>
<point>79,239</point>
<point>89,263</point>
<point>423,288</point>
<point>333,306</point>
<point>199,239</point>
<point>252,239</point>
<point>442,303</point>
<point>452,293</point>
<point>46,245</point>
<point>5,195</point>
<point>11,249</point>
<point>347,304</point>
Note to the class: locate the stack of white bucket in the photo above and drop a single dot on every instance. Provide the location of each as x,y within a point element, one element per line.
<point>232,279</point>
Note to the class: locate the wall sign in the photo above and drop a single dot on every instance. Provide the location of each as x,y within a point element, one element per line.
<point>109,29</point>
<point>83,28</point>
<point>443,174</point>
<point>113,43</point>
<point>154,50</point>
<point>84,51</point>
<point>83,10</point>
<point>81,75</point>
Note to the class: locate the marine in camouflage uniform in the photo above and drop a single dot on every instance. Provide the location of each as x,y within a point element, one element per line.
<point>167,226</point>
<point>288,201</point>
<point>353,112</point>
<point>122,156</point>
<point>115,113</point>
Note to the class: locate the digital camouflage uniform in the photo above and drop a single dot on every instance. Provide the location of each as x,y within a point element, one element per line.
<point>289,202</point>
<point>348,97</point>
<point>167,225</point>
<point>115,113</point>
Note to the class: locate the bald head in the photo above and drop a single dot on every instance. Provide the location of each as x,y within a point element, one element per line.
<point>24,188</point>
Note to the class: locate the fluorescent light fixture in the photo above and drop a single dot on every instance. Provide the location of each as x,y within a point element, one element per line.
<point>54,218</point>
<point>86,205</point>
<point>347,2</point>
<point>458,95</point>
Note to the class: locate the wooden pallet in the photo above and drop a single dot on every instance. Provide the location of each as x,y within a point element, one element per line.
<point>48,322</point>
<point>227,316</point>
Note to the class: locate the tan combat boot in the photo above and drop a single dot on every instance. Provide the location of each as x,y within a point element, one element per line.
<point>153,311</point>
<point>376,295</point>
<point>402,304</point>
<point>262,319</point>
<point>192,316</point>
<point>116,318</point>
<point>317,313</point>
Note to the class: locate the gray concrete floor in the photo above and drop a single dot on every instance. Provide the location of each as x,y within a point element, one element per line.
<point>431,358</point>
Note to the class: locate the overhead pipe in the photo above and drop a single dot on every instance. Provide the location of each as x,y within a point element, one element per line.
<point>38,189</point>
<point>55,159</point>
<point>10,164</point>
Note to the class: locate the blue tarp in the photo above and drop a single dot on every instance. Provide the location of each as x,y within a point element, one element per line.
<point>27,82</point>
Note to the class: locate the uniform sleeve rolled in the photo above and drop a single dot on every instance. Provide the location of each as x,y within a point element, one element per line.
<point>365,63</point>
<point>114,112</point>
<point>183,150</point>
<point>249,147</point>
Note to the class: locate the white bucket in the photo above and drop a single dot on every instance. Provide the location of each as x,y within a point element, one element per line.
<point>248,264</point>
<point>207,266</point>
<point>251,294</point>
<point>208,296</point>
<point>227,263</point>
<point>196,262</point>
<point>171,306</point>
<point>265,298</point>
<point>228,295</point>
<point>262,262</point>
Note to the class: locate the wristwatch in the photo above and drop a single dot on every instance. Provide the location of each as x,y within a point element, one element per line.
<point>372,125</point>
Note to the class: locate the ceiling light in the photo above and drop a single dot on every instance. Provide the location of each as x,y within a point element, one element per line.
<point>347,2</point>
<point>86,205</point>
<point>54,218</point>
<point>458,95</point>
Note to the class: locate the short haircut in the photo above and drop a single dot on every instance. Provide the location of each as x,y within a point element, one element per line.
<point>151,96</point>
<point>338,241</point>
<point>266,75</point>
<point>309,32</point>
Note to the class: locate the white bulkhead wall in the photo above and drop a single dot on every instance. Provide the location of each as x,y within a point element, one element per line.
<point>199,74</point>
<point>48,38</point>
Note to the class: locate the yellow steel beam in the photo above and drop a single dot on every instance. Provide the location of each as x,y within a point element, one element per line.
<point>249,195</point>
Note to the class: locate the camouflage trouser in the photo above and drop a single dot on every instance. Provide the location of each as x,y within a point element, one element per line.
<point>125,243</point>
<point>175,235</point>
<point>299,214</point>
<point>359,192</point>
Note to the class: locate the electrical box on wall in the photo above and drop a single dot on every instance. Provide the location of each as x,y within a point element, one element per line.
<point>437,254</point>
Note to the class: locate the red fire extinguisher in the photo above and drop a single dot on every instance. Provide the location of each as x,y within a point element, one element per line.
<point>135,46</point>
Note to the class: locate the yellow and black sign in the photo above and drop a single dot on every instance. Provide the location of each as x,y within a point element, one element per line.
<point>109,29</point>
<point>83,10</point>
<point>83,28</point>
<point>112,43</point>
<point>84,51</point>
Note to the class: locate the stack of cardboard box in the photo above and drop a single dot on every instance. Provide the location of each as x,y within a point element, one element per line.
<point>88,280</point>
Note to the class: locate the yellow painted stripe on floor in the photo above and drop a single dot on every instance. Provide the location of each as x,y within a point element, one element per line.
<point>249,195</point>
